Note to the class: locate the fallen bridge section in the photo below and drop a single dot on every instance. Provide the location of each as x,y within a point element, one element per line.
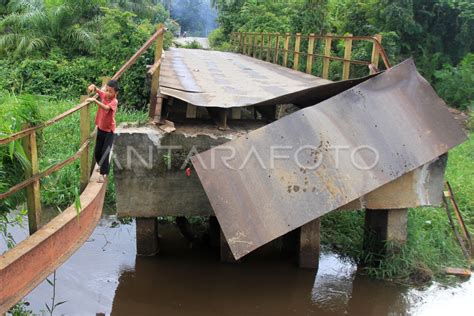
<point>226,80</point>
<point>383,128</point>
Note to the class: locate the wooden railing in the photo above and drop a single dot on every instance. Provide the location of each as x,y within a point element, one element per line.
<point>28,135</point>
<point>279,48</point>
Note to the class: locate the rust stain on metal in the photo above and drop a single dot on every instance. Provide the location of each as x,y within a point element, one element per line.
<point>396,113</point>
<point>32,260</point>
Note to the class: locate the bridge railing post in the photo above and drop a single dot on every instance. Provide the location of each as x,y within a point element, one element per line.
<point>346,68</point>
<point>327,54</point>
<point>285,49</point>
<point>375,54</point>
<point>277,48</point>
<point>296,56</point>
<point>255,45</point>
<point>267,47</point>
<point>250,48</point>
<point>33,194</point>
<point>241,38</point>
<point>155,106</point>
<point>310,55</point>
<point>84,125</point>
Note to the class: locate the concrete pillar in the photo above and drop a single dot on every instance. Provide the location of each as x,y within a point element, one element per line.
<point>147,236</point>
<point>309,245</point>
<point>383,226</point>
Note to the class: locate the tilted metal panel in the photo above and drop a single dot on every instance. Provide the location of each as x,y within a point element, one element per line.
<point>397,113</point>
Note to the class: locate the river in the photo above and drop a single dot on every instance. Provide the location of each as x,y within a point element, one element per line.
<point>105,277</point>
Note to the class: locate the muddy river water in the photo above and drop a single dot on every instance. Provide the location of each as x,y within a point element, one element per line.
<point>105,277</point>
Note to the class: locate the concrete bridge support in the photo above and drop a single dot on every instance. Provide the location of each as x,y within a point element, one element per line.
<point>309,245</point>
<point>385,227</point>
<point>147,236</point>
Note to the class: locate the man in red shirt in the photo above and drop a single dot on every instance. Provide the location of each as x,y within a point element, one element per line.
<point>105,122</point>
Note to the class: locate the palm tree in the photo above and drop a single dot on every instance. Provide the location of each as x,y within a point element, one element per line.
<point>30,27</point>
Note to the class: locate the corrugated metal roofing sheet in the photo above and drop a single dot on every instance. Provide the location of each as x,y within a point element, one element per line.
<point>257,197</point>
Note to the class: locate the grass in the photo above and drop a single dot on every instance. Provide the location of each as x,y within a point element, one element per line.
<point>431,243</point>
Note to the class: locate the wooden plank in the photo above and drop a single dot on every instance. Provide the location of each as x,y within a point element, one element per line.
<point>285,49</point>
<point>244,43</point>
<point>33,195</point>
<point>84,125</point>
<point>346,68</point>
<point>191,111</point>
<point>139,52</point>
<point>261,45</point>
<point>327,53</point>
<point>153,68</point>
<point>310,57</point>
<point>296,60</point>
<point>458,271</point>
<point>375,55</point>
<point>155,108</point>
<point>277,49</point>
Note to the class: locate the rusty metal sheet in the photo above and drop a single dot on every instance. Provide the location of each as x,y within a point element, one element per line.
<point>222,79</point>
<point>31,261</point>
<point>394,121</point>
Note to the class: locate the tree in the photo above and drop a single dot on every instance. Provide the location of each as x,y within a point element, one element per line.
<point>30,26</point>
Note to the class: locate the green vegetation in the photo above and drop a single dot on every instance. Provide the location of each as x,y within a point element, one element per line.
<point>56,50</point>
<point>431,245</point>
<point>192,45</point>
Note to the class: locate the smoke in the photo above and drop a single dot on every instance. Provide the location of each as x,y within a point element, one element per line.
<point>196,17</point>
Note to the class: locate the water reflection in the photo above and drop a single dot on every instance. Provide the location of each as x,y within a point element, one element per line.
<point>105,276</point>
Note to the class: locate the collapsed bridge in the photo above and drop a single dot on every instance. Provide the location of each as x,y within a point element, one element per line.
<point>206,103</point>
<point>229,112</point>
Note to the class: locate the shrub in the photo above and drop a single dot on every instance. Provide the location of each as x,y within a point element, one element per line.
<point>456,84</point>
<point>217,38</point>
